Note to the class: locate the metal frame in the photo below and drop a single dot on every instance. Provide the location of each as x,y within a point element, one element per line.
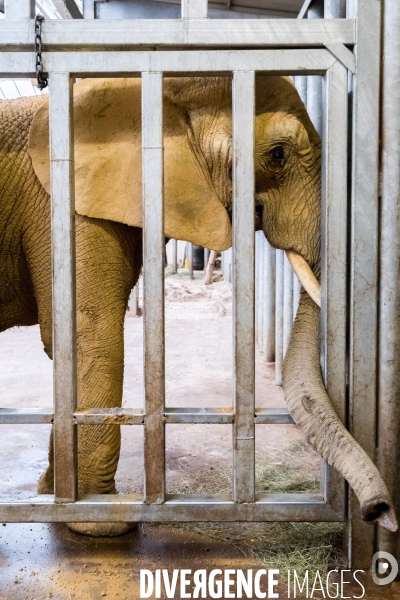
<point>298,47</point>
<point>156,505</point>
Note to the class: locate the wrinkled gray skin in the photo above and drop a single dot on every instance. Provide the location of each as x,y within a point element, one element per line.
<point>287,163</point>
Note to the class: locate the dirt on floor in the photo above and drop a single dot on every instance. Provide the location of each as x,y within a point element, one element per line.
<point>40,561</point>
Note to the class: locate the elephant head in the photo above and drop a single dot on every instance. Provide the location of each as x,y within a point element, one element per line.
<point>198,203</point>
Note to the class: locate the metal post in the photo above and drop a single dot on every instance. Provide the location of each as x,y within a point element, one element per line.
<point>287,302</point>
<point>296,294</point>
<point>268,304</point>
<point>194,9</point>
<point>334,260</point>
<point>134,300</point>
<point>389,284</point>
<point>190,259</point>
<point>153,286</point>
<point>364,264</point>
<point>243,104</point>
<point>19,9</point>
<point>262,290</point>
<point>206,257</point>
<point>279,317</point>
<point>174,256</point>
<point>64,293</point>
<point>258,286</point>
<point>314,83</point>
<point>301,86</point>
<point>334,9</point>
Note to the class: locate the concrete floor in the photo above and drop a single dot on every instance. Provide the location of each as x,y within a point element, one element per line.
<point>40,561</point>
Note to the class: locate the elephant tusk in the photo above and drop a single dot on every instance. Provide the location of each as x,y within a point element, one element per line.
<point>305,276</point>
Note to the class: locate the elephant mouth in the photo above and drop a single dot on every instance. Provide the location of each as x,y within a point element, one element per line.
<point>305,275</point>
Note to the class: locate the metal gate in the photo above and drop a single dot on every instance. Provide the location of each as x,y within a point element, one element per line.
<point>241,49</point>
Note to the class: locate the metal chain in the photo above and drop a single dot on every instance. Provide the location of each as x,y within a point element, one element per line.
<point>42,81</point>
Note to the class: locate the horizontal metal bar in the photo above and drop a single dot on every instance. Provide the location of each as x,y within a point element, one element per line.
<point>104,34</point>
<point>136,416</point>
<point>97,64</point>
<point>199,415</point>
<point>110,416</point>
<point>26,416</point>
<point>273,416</point>
<point>277,507</point>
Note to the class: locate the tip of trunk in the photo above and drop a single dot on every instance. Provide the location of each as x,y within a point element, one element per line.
<point>380,510</point>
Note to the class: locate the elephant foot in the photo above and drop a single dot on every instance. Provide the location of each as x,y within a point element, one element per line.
<point>105,529</point>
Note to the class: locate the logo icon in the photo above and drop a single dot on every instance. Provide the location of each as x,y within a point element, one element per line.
<point>384,568</point>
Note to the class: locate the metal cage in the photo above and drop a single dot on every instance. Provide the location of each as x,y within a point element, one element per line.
<point>346,53</point>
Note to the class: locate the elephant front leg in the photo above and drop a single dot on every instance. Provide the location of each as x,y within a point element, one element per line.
<point>108,260</point>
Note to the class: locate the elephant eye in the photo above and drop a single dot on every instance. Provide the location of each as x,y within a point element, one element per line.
<point>278,154</point>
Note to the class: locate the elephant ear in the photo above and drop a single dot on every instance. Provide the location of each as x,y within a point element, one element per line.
<point>108,163</point>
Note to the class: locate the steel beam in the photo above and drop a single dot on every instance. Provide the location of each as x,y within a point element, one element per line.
<point>103,34</point>
<point>364,260</point>
<point>153,285</point>
<point>275,507</point>
<point>287,302</point>
<point>389,283</point>
<point>101,64</point>
<point>136,416</point>
<point>268,301</point>
<point>334,258</point>
<point>174,256</point>
<point>189,248</point>
<point>63,289</point>
<point>243,218</point>
<point>279,316</point>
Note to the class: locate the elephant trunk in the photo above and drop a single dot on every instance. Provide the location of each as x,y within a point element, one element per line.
<point>311,408</point>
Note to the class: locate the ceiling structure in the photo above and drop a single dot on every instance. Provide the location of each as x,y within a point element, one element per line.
<point>110,9</point>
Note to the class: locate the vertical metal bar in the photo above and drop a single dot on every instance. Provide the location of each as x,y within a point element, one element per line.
<point>64,294</point>
<point>174,256</point>
<point>301,86</point>
<point>351,9</point>
<point>19,9</point>
<point>89,9</point>
<point>243,103</point>
<point>334,259</point>
<point>279,317</point>
<point>262,290</point>
<point>334,9</point>
<point>207,256</point>
<point>389,284</point>
<point>287,303</point>
<point>194,9</point>
<point>296,294</point>
<point>268,346</point>
<point>314,83</point>
<point>364,267</point>
<point>190,259</point>
<point>258,288</point>
<point>134,300</point>
<point>153,286</point>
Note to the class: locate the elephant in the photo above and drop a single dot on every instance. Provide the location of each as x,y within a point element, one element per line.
<point>198,208</point>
